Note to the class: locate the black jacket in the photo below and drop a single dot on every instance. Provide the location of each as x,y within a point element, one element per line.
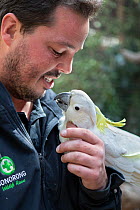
<point>32,175</point>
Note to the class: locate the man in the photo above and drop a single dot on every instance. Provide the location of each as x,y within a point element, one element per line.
<point>37,43</point>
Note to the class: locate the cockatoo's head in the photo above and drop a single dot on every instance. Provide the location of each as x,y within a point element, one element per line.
<point>78,108</point>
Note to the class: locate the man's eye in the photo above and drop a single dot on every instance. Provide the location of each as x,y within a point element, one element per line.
<point>57,54</point>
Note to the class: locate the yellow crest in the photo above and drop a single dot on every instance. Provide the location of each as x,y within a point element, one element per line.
<point>133,155</point>
<point>102,121</point>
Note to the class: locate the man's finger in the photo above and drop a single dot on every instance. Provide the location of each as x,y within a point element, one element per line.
<point>81,133</point>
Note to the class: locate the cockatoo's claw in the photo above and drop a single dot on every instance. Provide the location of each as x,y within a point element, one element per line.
<point>63,100</point>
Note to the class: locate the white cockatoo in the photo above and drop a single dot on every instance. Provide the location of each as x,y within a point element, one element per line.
<point>122,149</point>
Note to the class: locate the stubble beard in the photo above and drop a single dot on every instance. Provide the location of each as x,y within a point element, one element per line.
<point>14,63</point>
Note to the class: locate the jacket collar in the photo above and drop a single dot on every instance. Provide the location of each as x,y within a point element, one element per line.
<point>5,98</point>
<point>47,100</point>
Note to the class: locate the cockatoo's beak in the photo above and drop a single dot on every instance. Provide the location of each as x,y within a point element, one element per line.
<point>63,100</point>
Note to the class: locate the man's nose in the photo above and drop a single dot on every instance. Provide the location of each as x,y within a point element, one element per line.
<point>65,66</point>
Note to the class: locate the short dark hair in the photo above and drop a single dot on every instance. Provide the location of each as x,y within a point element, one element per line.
<point>32,13</point>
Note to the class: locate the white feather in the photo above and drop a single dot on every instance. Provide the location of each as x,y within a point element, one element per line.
<point>121,147</point>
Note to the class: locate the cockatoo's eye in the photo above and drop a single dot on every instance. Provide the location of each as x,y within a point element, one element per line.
<point>77,108</point>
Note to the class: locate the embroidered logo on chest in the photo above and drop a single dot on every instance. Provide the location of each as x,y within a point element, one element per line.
<point>7,166</point>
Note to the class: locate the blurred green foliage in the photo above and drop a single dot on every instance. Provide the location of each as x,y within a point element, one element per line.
<point>112,82</point>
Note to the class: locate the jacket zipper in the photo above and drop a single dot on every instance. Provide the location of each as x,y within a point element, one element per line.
<point>14,118</point>
<point>50,126</point>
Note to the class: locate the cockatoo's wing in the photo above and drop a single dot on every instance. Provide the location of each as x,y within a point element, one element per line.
<point>120,145</point>
<point>122,152</point>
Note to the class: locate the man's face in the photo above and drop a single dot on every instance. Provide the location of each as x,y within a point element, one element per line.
<point>36,59</point>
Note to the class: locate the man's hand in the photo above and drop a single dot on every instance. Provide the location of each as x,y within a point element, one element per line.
<point>85,155</point>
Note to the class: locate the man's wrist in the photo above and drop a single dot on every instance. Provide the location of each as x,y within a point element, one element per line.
<point>115,179</point>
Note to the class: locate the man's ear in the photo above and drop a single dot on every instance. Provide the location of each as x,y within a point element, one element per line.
<point>9,28</point>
